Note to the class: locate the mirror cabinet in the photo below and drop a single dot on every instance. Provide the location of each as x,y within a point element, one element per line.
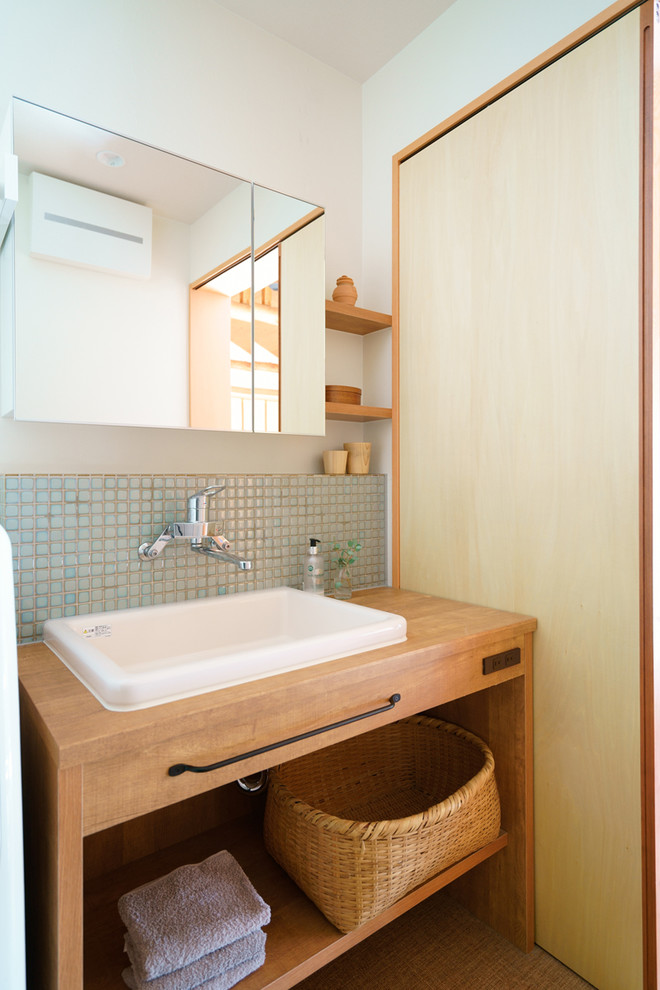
<point>150,290</point>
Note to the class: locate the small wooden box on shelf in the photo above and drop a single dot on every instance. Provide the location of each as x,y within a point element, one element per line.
<point>351,319</point>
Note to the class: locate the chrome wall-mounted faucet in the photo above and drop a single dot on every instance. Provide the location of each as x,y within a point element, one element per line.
<point>196,529</point>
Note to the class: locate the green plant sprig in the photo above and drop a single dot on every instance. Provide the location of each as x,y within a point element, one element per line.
<point>346,555</point>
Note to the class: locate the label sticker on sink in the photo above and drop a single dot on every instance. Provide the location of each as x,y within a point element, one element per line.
<point>92,632</point>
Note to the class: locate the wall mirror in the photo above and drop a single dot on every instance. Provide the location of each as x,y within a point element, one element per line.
<point>150,290</point>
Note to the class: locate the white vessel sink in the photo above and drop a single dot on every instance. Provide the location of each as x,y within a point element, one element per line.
<point>139,657</point>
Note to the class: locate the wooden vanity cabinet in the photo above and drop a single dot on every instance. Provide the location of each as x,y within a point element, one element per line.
<point>102,814</point>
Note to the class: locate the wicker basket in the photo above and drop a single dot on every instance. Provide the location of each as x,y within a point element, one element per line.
<point>360,824</point>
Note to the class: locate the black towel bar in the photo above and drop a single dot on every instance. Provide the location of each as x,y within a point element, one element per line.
<point>179,768</point>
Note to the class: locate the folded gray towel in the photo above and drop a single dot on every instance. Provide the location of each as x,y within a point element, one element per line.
<point>224,980</point>
<point>190,912</point>
<point>212,965</point>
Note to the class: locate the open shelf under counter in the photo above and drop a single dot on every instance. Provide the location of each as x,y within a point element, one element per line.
<point>300,940</point>
<point>352,319</point>
<point>359,414</point>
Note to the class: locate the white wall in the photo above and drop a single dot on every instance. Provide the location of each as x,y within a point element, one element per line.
<point>196,80</point>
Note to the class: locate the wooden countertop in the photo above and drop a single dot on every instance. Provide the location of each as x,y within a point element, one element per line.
<point>76,728</point>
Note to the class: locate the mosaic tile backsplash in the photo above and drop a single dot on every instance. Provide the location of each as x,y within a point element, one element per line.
<point>75,537</point>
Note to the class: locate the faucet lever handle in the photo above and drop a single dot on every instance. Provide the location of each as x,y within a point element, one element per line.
<point>197,502</point>
<point>207,493</point>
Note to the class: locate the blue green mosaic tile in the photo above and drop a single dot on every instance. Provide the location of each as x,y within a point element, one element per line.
<point>75,537</point>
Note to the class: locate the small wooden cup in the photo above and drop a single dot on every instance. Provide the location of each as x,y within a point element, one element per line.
<point>334,461</point>
<point>359,455</point>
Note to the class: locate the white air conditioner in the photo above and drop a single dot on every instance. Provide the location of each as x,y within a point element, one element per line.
<point>83,227</point>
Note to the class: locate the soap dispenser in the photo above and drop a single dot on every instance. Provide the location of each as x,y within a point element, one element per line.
<point>313,569</point>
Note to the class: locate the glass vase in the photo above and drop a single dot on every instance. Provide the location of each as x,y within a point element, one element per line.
<point>343,585</point>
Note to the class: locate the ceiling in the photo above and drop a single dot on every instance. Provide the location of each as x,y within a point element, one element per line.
<point>357,37</point>
<point>66,148</point>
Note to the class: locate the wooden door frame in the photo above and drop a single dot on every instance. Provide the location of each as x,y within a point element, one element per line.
<point>649,389</point>
<point>649,409</point>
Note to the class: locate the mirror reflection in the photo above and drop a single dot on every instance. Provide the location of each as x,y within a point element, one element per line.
<point>273,375</point>
<point>291,243</point>
<point>154,291</point>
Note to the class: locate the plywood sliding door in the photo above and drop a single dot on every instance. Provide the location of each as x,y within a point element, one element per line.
<point>519,451</point>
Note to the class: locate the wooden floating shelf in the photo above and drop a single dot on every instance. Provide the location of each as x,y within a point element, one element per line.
<point>351,319</point>
<point>359,414</point>
<point>300,940</point>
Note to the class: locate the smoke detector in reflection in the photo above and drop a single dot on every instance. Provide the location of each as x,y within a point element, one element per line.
<point>110,158</point>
